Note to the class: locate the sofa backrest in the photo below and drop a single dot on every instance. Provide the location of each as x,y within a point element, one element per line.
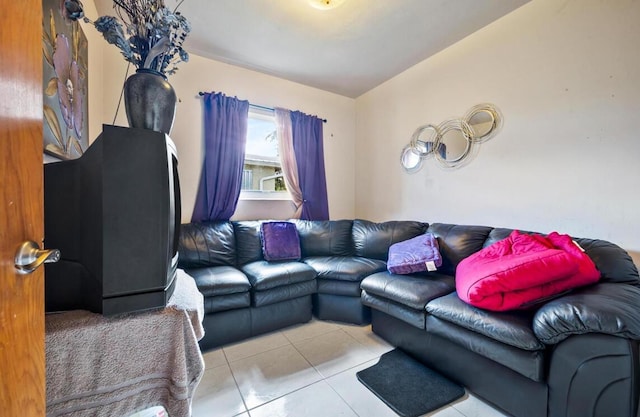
<point>206,244</point>
<point>248,241</point>
<point>325,237</point>
<point>459,241</point>
<point>456,242</point>
<point>372,240</point>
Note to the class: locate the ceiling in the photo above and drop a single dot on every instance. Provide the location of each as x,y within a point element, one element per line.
<point>347,50</point>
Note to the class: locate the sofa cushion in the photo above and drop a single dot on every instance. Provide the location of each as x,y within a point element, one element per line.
<point>335,287</point>
<point>372,240</point>
<point>413,291</point>
<point>248,241</point>
<point>220,280</point>
<point>280,241</point>
<point>456,242</point>
<point>513,328</point>
<point>409,315</point>
<point>497,234</point>
<point>217,303</point>
<point>264,275</point>
<point>417,254</point>
<point>344,268</point>
<point>325,237</point>
<point>282,293</point>
<point>529,363</point>
<point>206,244</point>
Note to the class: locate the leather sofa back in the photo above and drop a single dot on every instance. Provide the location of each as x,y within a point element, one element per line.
<point>248,240</point>
<point>216,243</point>
<point>372,240</point>
<point>206,244</point>
<point>325,238</point>
<point>458,241</point>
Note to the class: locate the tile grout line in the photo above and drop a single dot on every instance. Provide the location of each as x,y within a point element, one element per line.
<point>235,381</point>
<point>322,377</point>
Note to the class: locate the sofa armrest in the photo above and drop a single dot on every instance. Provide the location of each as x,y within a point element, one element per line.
<point>607,308</point>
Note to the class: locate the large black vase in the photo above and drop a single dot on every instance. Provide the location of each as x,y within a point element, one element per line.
<point>150,101</point>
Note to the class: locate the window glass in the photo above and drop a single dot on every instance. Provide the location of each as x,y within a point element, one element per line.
<point>262,169</point>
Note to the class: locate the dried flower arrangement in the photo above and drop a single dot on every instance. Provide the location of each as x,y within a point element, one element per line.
<point>152,36</point>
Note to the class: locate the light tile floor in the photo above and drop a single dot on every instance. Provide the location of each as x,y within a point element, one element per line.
<point>304,371</point>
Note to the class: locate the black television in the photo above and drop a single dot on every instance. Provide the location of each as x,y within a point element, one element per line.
<point>114,214</point>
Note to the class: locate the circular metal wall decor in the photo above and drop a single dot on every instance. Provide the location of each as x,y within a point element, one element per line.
<point>425,140</point>
<point>456,140</point>
<point>410,159</point>
<point>485,120</point>
<point>453,143</point>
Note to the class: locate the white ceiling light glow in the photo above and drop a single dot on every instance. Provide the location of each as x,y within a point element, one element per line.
<point>325,4</point>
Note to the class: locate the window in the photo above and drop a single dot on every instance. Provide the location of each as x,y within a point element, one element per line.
<point>262,176</point>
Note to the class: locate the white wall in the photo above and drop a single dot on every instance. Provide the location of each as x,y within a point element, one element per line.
<point>201,74</point>
<point>565,76</point>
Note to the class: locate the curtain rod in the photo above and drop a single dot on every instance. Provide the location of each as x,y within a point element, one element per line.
<point>257,106</point>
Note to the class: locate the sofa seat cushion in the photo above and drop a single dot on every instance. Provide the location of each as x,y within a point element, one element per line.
<point>514,328</point>
<point>332,286</point>
<point>409,315</point>
<point>413,291</point>
<point>344,268</point>
<point>220,280</point>
<point>529,363</point>
<point>226,302</point>
<point>265,275</point>
<point>282,293</point>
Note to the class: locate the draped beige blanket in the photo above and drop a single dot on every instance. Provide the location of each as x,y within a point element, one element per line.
<point>115,366</point>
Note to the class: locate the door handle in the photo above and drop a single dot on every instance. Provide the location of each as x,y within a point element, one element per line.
<point>29,257</point>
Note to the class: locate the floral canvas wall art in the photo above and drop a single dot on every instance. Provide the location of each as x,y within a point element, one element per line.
<point>65,60</point>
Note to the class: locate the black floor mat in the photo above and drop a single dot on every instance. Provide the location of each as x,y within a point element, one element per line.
<point>407,386</point>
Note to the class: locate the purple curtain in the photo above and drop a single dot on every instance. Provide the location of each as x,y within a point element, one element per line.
<point>225,135</point>
<point>309,150</point>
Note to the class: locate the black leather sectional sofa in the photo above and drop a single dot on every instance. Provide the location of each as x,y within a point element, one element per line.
<point>573,356</point>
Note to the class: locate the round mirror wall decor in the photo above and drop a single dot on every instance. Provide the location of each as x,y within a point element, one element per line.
<point>453,142</point>
<point>422,145</point>
<point>456,139</point>
<point>485,121</point>
<point>425,140</point>
<point>410,159</point>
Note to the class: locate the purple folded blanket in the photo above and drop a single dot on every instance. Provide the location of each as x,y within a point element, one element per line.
<point>414,255</point>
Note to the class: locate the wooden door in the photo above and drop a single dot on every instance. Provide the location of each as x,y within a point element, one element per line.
<point>22,360</point>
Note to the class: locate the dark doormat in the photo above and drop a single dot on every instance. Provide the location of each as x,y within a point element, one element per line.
<point>407,386</point>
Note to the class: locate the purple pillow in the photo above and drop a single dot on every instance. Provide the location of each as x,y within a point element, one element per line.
<point>414,255</point>
<point>280,241</point>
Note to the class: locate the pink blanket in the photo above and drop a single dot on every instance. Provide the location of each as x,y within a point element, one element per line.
<point>522,270</point>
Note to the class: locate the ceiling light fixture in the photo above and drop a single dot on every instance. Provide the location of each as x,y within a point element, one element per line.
<point>325,4</point>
